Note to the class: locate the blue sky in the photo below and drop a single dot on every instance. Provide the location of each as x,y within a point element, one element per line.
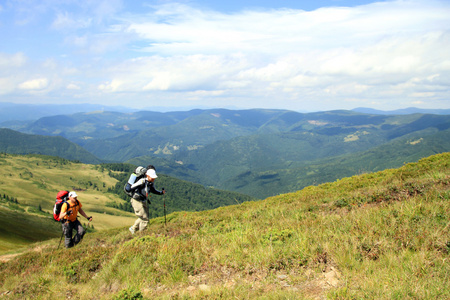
<point>285,54</point>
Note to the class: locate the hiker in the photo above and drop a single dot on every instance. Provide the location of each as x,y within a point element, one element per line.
<point>68,215</point>
<point>140,199</point>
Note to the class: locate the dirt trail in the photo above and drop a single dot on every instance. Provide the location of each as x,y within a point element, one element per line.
<point>8,257</point>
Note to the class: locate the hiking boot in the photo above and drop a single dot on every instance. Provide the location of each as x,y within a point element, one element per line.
<point>131,230</point>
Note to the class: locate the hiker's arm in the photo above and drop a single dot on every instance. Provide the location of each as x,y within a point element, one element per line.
<point>155,191</point>
<point>63,212</point>
<point>62,215</point>
<point>84,214</point>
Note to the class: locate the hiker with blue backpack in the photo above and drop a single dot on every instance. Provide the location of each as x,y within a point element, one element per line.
<point>139,186</point>
<point>69,218</point>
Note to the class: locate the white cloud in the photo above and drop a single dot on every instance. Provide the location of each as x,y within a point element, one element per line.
<point>6,86</point>
<point>184,30</point>
<point>73,86</point>
<point>180,73</point>
<point>341,51</point>
<point>65,21</point>
<point>34,84</point>
<point>113,86</point>
<point>377,53</point>
<point>11,60</point>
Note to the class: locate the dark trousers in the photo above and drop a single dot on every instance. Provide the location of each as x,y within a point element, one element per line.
<point>68,229</point>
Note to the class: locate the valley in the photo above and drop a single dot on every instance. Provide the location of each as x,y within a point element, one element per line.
<point>256,152</point>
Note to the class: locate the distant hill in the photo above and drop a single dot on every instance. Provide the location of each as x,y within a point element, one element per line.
<point>20,143</point>
<point>381,235</point>
<point>394,154</point>
<point>262,180</point>
<point>200,129</point>
<point>248,150</point>
<point>404,111</point>
<point>30,112</point>
<point>159,131</point>
<point>26,112</point>
<point>268,164</point>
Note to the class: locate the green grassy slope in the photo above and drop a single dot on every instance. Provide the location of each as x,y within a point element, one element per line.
<point>381,235</point>
<point>29,184</point>
<point>33,182</point>
<point>18,229</point>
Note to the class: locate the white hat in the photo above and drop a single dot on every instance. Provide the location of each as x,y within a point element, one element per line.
<point>151,173</point>
<point>73,195</point>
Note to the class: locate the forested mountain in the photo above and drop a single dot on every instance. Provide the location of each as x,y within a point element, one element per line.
<point>264,183</point>
<point>258,152</point>
<point>20,143</point>
<point>113,134</point>
<point>339,144</point>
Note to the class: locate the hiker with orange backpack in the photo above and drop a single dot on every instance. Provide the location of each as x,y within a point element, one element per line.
<point>68,215</point>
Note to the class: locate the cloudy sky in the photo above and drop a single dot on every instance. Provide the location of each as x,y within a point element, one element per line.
<point>286,54</point>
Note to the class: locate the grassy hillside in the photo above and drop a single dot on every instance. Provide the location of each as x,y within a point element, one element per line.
<point>17,235</point>
<point>33,182</point>
<point>29,184</point>
<point>382,235</point>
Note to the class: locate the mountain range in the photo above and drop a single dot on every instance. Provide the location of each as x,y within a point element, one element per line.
<point>258,152</point>
<point>404,111</point>
<point>29,112</point>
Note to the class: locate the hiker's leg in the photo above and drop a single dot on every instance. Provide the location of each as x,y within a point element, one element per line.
<point>67,229</point>
<point>139,211</point>
<point>144,217</point>
<point>80,232</point>
<point>136,224</point>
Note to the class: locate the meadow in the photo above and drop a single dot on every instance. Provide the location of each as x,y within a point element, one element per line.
<point>34,180</point>
<point>381,235</point>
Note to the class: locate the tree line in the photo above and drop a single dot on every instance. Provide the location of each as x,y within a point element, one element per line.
<point>8,198</point>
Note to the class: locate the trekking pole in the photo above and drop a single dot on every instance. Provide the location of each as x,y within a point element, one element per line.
<point>60,240</point>
<point>164,200</point>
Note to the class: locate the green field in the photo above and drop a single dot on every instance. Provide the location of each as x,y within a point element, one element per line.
<point>18,229</point>
<point>34,181</point>
<point>381,235</point>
